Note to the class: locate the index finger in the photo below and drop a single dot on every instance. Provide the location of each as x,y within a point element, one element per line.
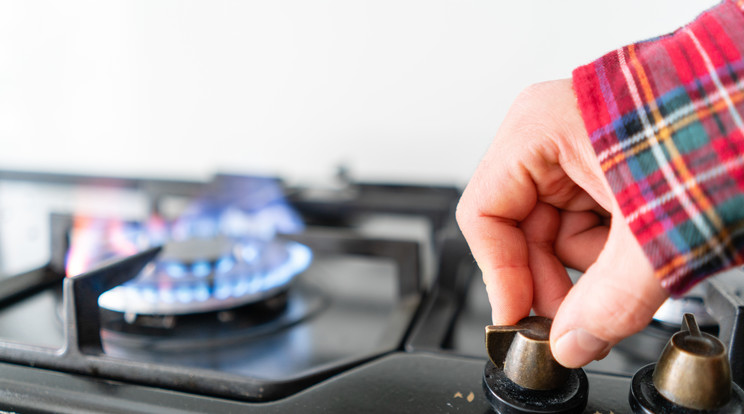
<point>541,135</point>
<point>499,195</point>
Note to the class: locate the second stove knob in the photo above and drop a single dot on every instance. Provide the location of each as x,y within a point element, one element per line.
<point>692,375</point>
<point>693,370</point>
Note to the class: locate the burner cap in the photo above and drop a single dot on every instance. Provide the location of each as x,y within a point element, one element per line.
<point>195,250</point>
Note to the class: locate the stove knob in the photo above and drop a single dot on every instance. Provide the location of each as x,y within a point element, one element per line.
<point>693,373</point>
<point>521,375</point>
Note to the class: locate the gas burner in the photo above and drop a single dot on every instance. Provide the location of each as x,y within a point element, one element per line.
<point>209,274</point>
<point>198,331</point>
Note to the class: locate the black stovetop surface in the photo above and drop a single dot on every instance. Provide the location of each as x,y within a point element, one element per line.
<point>417,382</point>
<point>395,322</point>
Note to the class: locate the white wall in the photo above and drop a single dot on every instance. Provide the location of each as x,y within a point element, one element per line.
<point>397,90</point>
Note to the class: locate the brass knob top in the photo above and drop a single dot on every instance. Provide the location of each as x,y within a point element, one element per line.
<point>693,370</point>
<point>523,352</point>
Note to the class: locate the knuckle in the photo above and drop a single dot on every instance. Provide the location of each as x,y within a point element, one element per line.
<point>534,90</point>
<point>463,212</point>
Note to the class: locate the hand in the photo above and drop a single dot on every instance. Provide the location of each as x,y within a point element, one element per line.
<point>539,201</point>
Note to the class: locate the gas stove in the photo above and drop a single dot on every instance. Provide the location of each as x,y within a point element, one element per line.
<point>243,294</point>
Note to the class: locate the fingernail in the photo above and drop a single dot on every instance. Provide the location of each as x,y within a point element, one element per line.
<point>578,347</point>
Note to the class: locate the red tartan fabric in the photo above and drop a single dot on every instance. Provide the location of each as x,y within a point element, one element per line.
<point>665,118</point>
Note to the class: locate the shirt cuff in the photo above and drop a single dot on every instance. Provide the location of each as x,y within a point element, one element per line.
<point>665,119</point>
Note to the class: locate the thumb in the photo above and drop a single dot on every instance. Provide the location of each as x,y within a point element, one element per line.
<point>616,297</point>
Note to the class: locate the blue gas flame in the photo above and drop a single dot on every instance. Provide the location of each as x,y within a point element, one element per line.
<point>250,212</point>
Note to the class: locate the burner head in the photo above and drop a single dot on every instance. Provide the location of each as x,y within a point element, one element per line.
<point>209,274</point>
<point>193,251</point>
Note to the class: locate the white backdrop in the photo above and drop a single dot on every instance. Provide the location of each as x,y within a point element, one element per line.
<point>397,90</point>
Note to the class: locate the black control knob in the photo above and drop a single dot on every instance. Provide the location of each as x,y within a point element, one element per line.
<point>692,375</point>
<point>523,377</point>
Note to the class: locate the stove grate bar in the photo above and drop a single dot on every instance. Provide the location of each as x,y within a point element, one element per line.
<point>83,350</point>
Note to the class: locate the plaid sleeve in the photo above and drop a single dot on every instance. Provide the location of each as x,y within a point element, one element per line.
<point>665,119</point>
